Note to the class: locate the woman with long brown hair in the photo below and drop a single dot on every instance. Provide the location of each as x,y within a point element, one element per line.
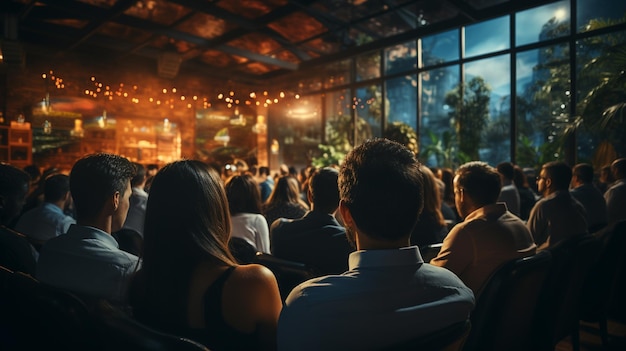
<point>189,283</point>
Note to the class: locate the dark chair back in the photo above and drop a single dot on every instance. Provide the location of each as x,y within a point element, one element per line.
<point>502,317</point>
<point>288,273</point>
<point>603,277</point>
<point>129,240</point>
<point>430,251</point>
<point>443,339</point>
<point>44,317</point>
<point>115,331</point>
<point>243,252</point>
<point>556,314</point>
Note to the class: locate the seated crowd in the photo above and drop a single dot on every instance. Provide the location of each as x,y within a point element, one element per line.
<point>360,227</point>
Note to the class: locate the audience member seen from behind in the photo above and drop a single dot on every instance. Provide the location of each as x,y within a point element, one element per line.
<point>508,193</point>
<point>138,200</point>
<point>527,196</point>
<point>605,180</point>
<point>316,239</point>
<point>583,190</point>
<point>16,253</point>
<point>557,215</point>
<point>48,219</point>
<point>431,227</point>
<point>489,236</point>
<point>266,183</point>
<point>87,259</point>
<point>284,202</point>
<point>189,284</point>
<point>388,295</point>
<point>244,203</point>
<point>615,195</point>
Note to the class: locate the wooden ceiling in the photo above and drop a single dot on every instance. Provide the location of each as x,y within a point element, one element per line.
<point>246,40</point>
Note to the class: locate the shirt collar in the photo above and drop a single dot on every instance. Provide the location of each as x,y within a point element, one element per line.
<point>404,256</point>
<point>52,207</point>
<point>87,232</point>
<point>497,209</point>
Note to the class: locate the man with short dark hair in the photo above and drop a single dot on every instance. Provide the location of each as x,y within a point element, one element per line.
<point>583,190</point>
<point>267,184</point>
<point>316,239</point>
<point>16,253</point>
<point>87,260</point>
<point>388,295</point>
<point>48,220</point>
<point>557,215</point>
<point>508,193</point>
<point>615,195</point>
<point>489,236</point>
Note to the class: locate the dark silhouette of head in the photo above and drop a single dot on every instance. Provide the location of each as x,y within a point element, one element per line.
<point>480,182</point>
<point>584,173</point>
<point>559,173</point>
<point>381,184</point>
<point>243,194</point>
<point>285,190</point>
<point>95,178</point>
<point>14,184</point>
<point>140,175</point>
<point>324,190</point>
<point>506,169</point>
<point>56,187</point>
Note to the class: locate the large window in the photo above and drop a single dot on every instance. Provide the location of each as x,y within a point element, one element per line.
<point>402,100</point>
<point>454,88</point>
<point>437,133</point>
<point>440,48</point>
<point>486,37</point>
<point>542,23</point>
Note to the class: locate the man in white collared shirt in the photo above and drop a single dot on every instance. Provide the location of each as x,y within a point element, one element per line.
<point>87,260</point>
<point>388,295</point>
<point>47,220</point>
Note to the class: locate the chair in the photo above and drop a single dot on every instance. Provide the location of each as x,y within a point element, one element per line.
<point>115,330</point>
<point>44,317</point>
<point>288,273</point>
<point>443,339</point>
<point>430,251</point>
<point>602,279</point>
<point>243,252</point>
<point>556,313</point>
<point>503,314</point>
<point>129,240</point>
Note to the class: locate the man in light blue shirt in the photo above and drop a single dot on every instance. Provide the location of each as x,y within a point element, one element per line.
<point>47,220</point>
<point>388,295</point>
<point>87,260</point>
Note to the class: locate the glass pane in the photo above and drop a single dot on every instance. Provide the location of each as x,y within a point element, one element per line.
<point>337,74</point>
<point>440,48</point>
<point>300,130</point>
<point>402,100</point>
<point>368,107</point>
<point>600,62</point>
<point>543,89</point>
<point>594,14</point>
<point>542,23</point>
<point>437,135</point>
<point>338,103</point>
<point>486,37</point>
<point>482,117</point>
<point>401,58</point>
<point>368,66</point>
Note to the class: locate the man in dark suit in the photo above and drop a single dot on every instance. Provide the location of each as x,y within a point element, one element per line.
<point>316,239</point>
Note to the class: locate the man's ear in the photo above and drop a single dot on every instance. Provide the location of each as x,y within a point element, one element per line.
<point>115,200</point>
<point>345,214</point>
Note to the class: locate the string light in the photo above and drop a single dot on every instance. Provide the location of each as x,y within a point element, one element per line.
<point>231,98</point>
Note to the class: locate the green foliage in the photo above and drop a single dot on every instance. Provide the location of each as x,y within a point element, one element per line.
<point>403,134</point>
<point>339,140</point>
<point>444,150</point>
<point>470,112</point>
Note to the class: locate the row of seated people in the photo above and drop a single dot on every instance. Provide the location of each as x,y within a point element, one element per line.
<point>188,282</point>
